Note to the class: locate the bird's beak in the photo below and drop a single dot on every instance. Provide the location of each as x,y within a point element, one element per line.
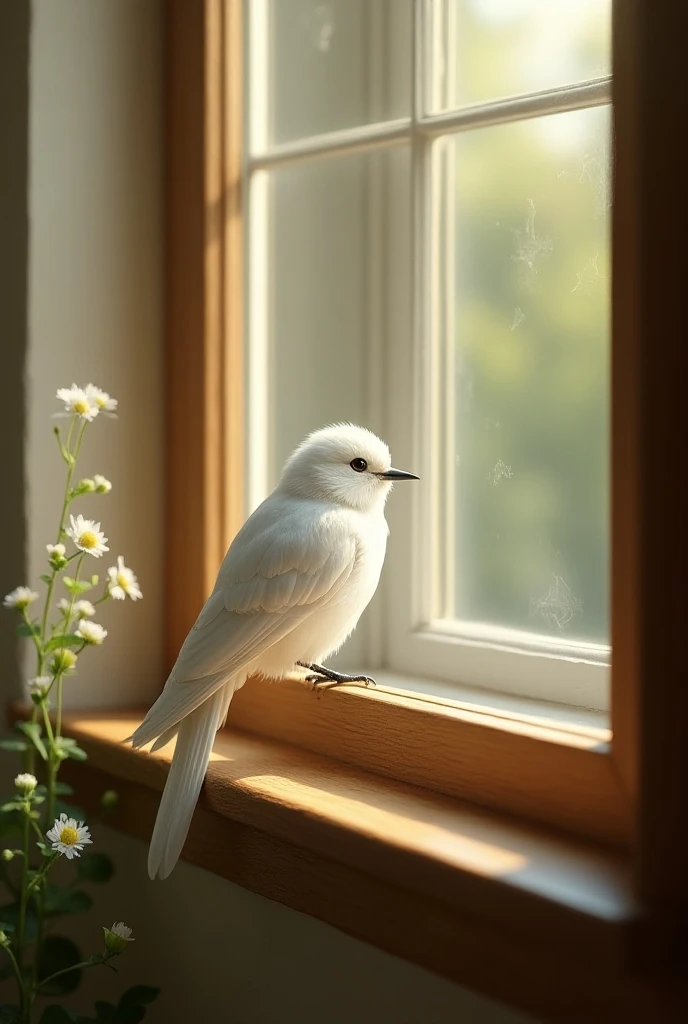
<point>397,474</point>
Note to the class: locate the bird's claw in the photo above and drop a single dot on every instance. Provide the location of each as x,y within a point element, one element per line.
<point>317,680</point>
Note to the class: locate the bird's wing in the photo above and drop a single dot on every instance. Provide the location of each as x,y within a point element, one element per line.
<point>280,579</point>
<point>276,579</point>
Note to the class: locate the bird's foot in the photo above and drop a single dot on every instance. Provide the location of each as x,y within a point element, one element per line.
<point>320,674</point>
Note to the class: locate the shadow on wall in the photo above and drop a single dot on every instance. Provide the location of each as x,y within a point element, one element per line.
<point>14,227</point>
<point>223,955</point>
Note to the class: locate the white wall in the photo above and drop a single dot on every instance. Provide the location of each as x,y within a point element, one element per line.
<point>219,952</point>
<point>95,302</point>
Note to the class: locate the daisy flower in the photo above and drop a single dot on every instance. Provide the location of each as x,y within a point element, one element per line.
<point>62,661</point>
<point>87,536</point>
<point>78,402</point>
<point>39,684</point>
<point>91,632</point>
<point>80,609</point>
<point>68,836</point>
<point>103,485</point>
<point>56,549</point>
<point>26,783</point>
<point>20,597</point>
<point>116,938</point>
<point>123,582</point>
<point>100,398</point>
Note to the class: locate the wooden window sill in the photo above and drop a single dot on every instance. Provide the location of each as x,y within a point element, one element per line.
<point>522,914</point>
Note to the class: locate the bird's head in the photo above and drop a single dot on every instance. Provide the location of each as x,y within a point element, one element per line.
<point>342,464</point>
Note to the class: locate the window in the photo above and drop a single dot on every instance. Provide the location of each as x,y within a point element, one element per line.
<point>319,771</point>
<point>429,254</point>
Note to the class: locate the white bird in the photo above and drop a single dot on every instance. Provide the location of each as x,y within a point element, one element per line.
<point>289,592</point>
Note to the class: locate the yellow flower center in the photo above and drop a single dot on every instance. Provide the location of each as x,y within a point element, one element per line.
<point>69,836</point>
<point>88,539</point>
<point>100,401</point>
<point>123,580</point>
<point>81,406</point>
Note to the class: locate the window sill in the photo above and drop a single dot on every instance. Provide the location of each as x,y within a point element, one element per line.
<point>429,878</point>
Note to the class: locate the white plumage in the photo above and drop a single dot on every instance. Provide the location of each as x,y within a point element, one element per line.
<point>290,590</point>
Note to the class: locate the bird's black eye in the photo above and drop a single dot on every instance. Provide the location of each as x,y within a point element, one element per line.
<point>359,465</point>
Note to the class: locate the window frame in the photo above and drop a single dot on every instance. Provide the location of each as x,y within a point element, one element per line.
<point>638,781</point>
<point>416,640</point>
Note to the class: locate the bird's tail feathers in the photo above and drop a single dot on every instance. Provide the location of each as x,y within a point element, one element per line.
<point>191,755</point>
<point>167,736</point>
<point>176,701</point>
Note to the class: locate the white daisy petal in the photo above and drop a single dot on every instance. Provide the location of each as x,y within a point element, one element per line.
<point>68,836</point>
<point>26,783</point>
<point>103,485</point>
<point>117,937</point>
<point>78,402</point>
<point>20,597</point>
<point>39,684</point>
<point>80,609</point>
<point>122,582</point>
<point>100,398</point>
<point>87,536</point>
<point>91,632</point>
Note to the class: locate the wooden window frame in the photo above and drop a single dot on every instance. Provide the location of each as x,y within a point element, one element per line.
<point>568,778</point>
<point>613,808</point>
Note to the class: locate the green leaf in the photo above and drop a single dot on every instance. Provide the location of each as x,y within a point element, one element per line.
<point>95,867</point>
<point>33,731</point>
<point>138,995</point>
<point>46,577</point>
<point>57,953</point>
<point>65,901</point>
<point>64,640</point>
<point>68,748</point>
<point>76,753</point>
<point>62,789</point>
<point>105,1011</point>
<point>28,629</point>
<point>76,586</point>
<point>10,915</point>
<point>10,743</point>
<point>11,805</point>
<point>9,1014</point>
<point>58,1015</point>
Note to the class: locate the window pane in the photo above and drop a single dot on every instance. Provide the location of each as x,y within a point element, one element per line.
<point>487,49</point>
<point>337,253</point>
<point>333,64</point>
<point>328,239</point>
<point>530,351</point>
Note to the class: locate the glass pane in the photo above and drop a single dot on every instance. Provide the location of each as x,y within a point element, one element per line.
<point>334,64</point>
<point>328,243</point>
<point>487,49</point>
<point>337,244</point>
<point>530,354</point>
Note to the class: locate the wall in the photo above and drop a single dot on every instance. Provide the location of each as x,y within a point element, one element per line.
<point>95,287</point>
<point>94,311</point>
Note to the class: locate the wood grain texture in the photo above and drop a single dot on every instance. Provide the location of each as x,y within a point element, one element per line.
<point>650,376</point>
<point>549,774</point>
<point>546,925</point>
<point>203,354</point>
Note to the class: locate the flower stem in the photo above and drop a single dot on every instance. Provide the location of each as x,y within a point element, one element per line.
<point>63,515</point>
<point>75,967</point>
<point>24,894</point>
<point>15,965</point>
